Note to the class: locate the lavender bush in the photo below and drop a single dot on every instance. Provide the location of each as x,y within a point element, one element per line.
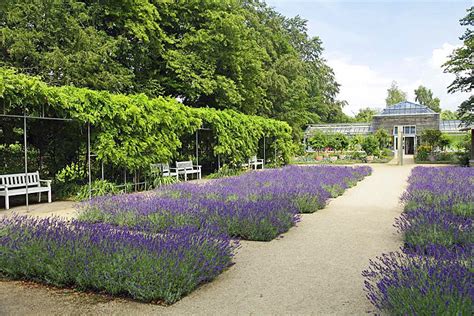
<point>255,206</point>
<point>424,227</point>
<point>407,283</point>
<point>104,258</point>
<point>308,187</point>
<point>444,189</point>
<point>432,274</point>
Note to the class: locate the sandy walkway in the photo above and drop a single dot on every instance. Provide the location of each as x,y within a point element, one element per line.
<point>314,269</point>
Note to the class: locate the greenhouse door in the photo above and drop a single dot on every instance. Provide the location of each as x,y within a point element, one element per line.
<point>409,145</point>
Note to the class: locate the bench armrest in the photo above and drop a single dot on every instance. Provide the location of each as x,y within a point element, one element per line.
<point>48,182</point>
<point>197,166</point>
<point>4,186</point>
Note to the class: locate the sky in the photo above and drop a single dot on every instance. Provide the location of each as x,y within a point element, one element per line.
<point>371,43</point>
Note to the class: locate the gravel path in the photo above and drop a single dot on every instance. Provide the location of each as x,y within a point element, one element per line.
<point>314,269</point>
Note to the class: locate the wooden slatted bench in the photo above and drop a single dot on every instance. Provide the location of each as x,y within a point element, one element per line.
<point>164,170</point>
<point>254,163</point>
<point>187,167</point>
<point>15,184</point>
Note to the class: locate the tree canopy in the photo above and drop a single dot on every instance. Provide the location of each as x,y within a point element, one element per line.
<point>461,63</point>
<point>449,115</point>
<point>424,96</point>
<point>230,54</point>
<point>365,115</point>
<point>395,95</point>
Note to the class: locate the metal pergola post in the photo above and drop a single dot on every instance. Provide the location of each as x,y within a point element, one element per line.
<point>89,175</point>
<point>264,151</point>
<point>25,144</point>
<point>197,147</point>
<point>26,161</point>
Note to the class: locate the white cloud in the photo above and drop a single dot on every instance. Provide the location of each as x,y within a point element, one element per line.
<point>361,86</point>
<point>440,55</point>
<point>364,85</point>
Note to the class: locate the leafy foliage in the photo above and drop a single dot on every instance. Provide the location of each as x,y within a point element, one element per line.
<point>432,137</point>
<point>365,115</point>
<point>98,188</point>
<point>447,115</point>
<point>318,141</point>
<point>461,64</point>
<point>370,145</point>
<point>230,54</point>
<point>133,131</point>
<point>424,96</point>
<point>383,138</point>
<point>395,95</point>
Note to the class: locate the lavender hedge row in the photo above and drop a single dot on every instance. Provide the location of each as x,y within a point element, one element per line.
<point>104,258</point>
<point>432,274</point>
<point>255,206</point>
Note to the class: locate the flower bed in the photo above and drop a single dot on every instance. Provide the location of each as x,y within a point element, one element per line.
<point>104,258</point>
<point>432,274</point>
<point>255,206</point>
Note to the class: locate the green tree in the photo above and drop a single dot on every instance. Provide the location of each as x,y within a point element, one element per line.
<point>395,95</point>
<point>461,63</point>
<point>230,54</point>
<point>424,96</point>
<point>449,115</point>
<point>365,115</point>
<point>318,141</point>
<point>432,138</point>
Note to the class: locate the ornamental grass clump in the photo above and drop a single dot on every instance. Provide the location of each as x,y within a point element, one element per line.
<point>118,261</point>
<point>432,274</point>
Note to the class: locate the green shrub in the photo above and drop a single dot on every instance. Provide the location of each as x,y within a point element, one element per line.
<point>383,138</point>
<point>98,188</point>
<point>423,153</point>
<point>318,141</point>
<point>225,171</point>
<point>370,145</point>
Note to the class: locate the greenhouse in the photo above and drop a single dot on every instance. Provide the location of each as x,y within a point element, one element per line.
<point>412,116</point>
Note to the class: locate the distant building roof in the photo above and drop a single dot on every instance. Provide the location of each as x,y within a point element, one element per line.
<point>344,128</point>
<point>406,108</point>
<point>450,126</point>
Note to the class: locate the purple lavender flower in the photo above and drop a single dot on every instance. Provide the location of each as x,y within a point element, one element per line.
<point>432,274</point>
<point>118,261</point>
<point>256,206</point>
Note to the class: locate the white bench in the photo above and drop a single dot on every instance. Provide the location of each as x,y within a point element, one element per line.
<point>164,170</point>
<point>187,167</point>
<point>254,163</point>
<point>15,184</point>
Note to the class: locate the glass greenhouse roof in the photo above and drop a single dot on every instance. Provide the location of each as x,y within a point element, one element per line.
<point>406,108</point>
<point>348,129</point>
<point>451,126</point>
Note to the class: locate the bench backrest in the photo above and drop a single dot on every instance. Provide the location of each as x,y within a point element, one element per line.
<point>253,159</point>
<point>187,165</point>
<point>18,180</point>
<point>160,167</point>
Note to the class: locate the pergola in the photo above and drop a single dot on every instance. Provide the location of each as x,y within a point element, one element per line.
<point>26,118</point>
